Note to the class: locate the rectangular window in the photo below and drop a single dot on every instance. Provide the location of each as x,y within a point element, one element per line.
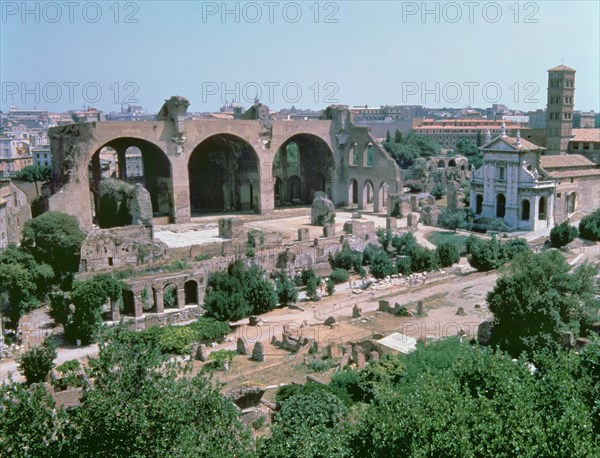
<point>502,173</point>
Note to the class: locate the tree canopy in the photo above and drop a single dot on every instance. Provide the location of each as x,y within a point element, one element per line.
<point>537,298</point>
<point>55,239</point>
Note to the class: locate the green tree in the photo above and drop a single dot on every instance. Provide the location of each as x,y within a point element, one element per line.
<point>475,402</point>
<point>287,292</point>
<point>562,234</point>
<point>424,260</point>
<point>54,238</point>
<point>35,174</point>
<point>438,191</point>
<point>311,288</point>
<point>384,237</point>
<point>239,292</point>
<point>381,265</point>
<point>537,298</point>
<point>330,287</point>
<point>30,422</point>
<point>141,404</point>
<point>346,258</point>
<point>452,219</point>
<point>404,244</point>
<point>88,297</point>
<point>485,255</point>
<point>447,253</point>
<point>471,152</point>
<point>589,226</point>
<point>36,363</point>
<point>513,247</point>
<point>306,425</point>
<point>23,282</point>
<point>339,276</point>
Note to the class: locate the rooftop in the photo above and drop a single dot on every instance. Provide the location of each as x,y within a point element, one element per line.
<point>565,161</point>
<point>586,135</point>
<point>562,68</point>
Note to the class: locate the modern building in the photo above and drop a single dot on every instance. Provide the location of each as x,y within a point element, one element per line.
<point>448,132</point>
<point>14,155</point>
<point>42,156</point>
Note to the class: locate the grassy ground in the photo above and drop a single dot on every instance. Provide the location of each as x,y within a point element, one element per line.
<point>437,237</point>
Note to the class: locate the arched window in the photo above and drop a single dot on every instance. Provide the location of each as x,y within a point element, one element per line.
<point>525,206</point>
<point>542,209</point>
<point>441,164</point>
<point>500,206</point>
<point>571,202</point>
<point>478,204</point>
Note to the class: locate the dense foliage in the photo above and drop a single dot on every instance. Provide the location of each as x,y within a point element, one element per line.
<point>589,226</point>
<point>538,298</point>
<point>287,292</point>
<point>239,292</point>
<point>54,238</point>
<point>562,234</point>
<point>37,362</point>
<point>88,297</point>
<point>35,174</point>
<point>405,149</point>
<point>24,282</point>
<point>346,258</point>
<point>470,151</point>
<point>447,254</point>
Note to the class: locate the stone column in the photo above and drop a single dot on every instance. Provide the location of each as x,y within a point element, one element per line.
<point>361,197</point>
<point>181,212</point>
<point>137,305</point>
<point>115,313</point>
<point>180,298</point>
<point>376,199</point>
<point>160,302</point>
<point>122,169</point>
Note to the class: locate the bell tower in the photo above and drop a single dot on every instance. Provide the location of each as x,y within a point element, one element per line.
<point>561,96</point>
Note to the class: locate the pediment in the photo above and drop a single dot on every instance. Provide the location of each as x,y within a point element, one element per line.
<point>499,145</point>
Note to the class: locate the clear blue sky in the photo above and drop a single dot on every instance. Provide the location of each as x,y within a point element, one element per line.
<point>356,52</point>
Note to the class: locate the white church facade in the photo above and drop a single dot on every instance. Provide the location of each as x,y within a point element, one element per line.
<point>511,186</point>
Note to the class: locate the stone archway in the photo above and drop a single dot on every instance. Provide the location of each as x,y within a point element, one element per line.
<point>224,175</point>
<point>304,162</point>
<point>191,292</point>
<point>135,161</point>
<point>500,205</point>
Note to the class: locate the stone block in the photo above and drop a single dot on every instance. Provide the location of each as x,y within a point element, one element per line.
<point>303,234</point>
<point>258,352</point>
<point>391,223</point>
<point>241,346</point>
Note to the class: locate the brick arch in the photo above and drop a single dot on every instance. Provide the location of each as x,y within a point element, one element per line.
<point>156,170</point>
<point>224,173</point>
<point>315,169</point>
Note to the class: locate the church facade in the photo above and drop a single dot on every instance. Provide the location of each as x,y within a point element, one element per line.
<point>511,186</point>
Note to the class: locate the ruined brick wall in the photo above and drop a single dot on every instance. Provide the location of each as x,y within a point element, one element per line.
<point>117,247</point>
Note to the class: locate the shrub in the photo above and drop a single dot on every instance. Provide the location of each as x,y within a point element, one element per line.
<point>330,287</point>
<point>217,358</point>
<point>210,330</point>
<point>448,254</point>
<point>486,255</point>
<point>513,247</point>
<point>424,259</point>
<point>404,244</point>
<point>346,258</point>
<point>381,265</point>
<point>287,293</point>
<point>438,191</point>
<point>311,288</point>
<point>176,339</point>
<point>319,365</point>
<point>339,276</point>
<point>589,226</point>
<point>452,219</point>
<point>562,234</point>
<point>36,363</point>
<point>403,265</point>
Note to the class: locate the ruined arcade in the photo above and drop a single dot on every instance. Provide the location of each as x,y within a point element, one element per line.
<point>196,167</point>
